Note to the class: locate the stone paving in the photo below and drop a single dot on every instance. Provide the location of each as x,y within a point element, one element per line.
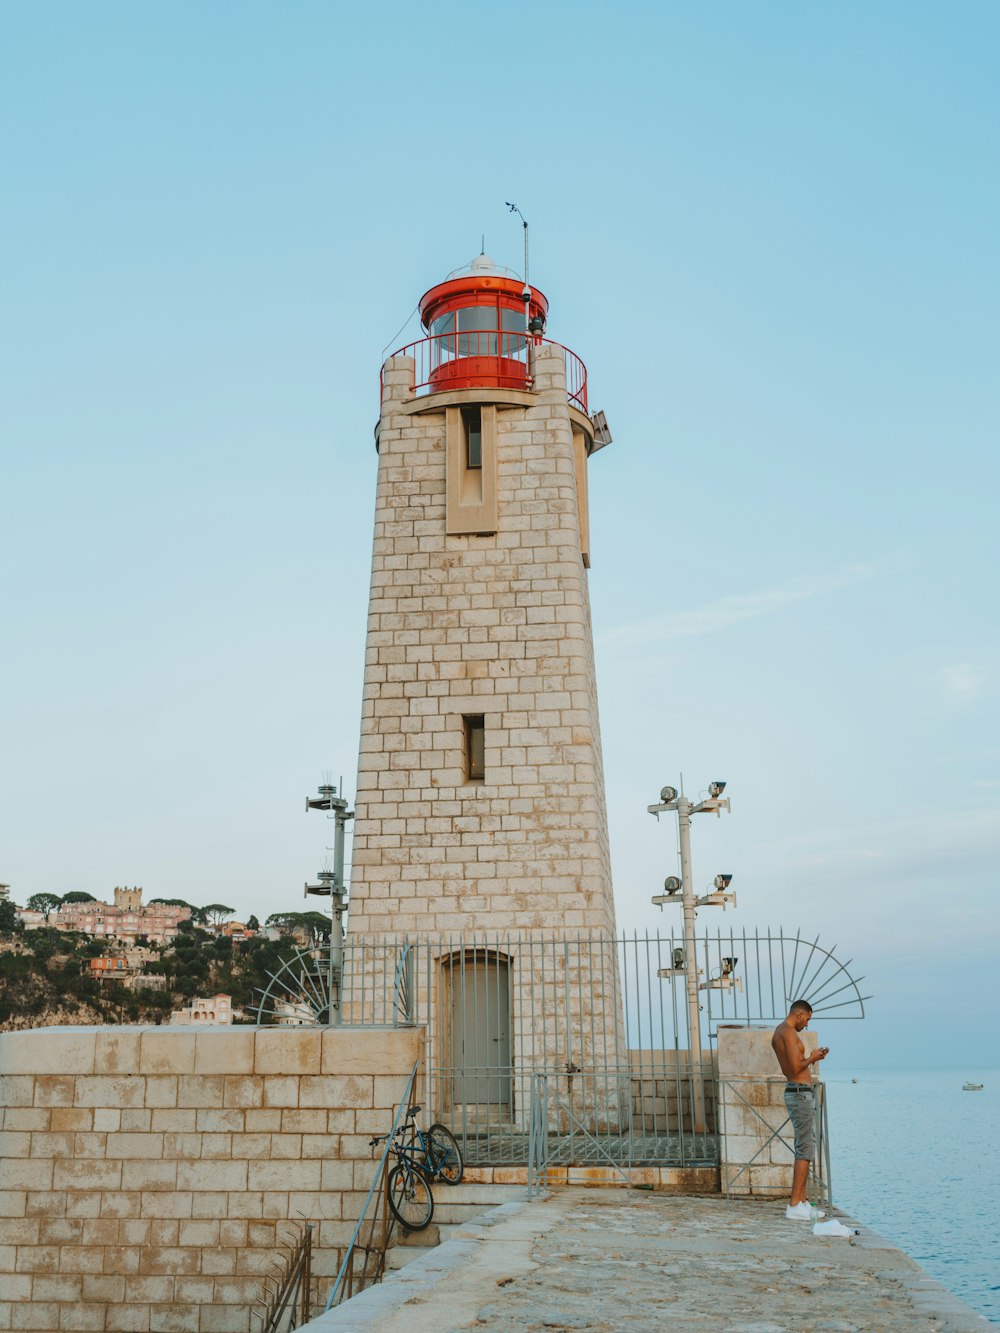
<point>609,1261</point>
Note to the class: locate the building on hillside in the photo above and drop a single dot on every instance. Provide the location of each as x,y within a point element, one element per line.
<point>213,1009</point>
<point>120,965</point>
<point>4,893</point>
<point>112,967</point>
<point>30,919</point>
<point>126,919</point>
<point>480,829</point>
<point>235,930</point>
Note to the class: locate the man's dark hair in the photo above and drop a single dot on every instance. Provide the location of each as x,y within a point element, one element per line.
<point>804,1005</point>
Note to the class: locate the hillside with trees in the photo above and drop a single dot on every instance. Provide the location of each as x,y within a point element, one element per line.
<point>45,975</point>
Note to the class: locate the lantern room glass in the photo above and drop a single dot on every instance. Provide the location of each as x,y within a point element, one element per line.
<point>476,331</point>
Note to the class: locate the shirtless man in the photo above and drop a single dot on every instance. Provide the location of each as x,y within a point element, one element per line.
<point>799,1102</point>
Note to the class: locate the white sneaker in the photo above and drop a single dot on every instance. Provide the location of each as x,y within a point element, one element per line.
<point>803,1212</point>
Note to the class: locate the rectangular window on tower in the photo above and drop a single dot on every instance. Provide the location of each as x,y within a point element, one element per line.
<point>475,747</point>
<point>472,429</point>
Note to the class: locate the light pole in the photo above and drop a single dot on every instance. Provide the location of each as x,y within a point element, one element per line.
<point>331,885</point>
<point>673,799</point>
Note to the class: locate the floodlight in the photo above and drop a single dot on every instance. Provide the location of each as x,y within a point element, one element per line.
<point>668,794</point>
<point>722,882</point>
<point>672,884</point>
<point>716,788</point>
<point>729,966</point>
<point>677,957</point>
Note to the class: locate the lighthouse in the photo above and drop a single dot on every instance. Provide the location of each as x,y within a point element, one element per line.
<point>480,829</point>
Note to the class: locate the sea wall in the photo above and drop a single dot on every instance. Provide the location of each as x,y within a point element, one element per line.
<point>148,1176</point>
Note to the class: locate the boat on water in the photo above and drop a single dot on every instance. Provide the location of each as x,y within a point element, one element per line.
<point>972,1087</point>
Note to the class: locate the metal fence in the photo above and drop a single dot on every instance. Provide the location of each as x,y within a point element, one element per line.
<point>587,1014</point>
<point>498,357</point>
<point>739,1102</point>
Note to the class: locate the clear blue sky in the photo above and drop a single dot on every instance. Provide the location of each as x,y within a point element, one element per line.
<point>771,232</point>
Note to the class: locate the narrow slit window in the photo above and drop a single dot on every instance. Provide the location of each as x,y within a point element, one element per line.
<point>472,426</point>
<point>475,748</point>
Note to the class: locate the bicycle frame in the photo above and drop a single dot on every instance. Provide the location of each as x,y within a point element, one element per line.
<point>413,1154</point>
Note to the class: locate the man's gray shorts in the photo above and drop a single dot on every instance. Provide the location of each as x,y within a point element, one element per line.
<point>801,1111</point>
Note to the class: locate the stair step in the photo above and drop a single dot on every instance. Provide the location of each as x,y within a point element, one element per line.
<point>420,1240</point>
<point>489,1196</point>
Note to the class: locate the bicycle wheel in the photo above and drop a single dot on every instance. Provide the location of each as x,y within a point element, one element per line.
<point>410,1197</point>
<point>444,1154</point>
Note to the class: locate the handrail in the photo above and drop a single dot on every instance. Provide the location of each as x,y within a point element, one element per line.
<point>498,357</point>
<point>294,1289</point>
<point>404,1103</point>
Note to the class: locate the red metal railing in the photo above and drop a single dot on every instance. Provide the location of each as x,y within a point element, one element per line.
<point>496,358</point>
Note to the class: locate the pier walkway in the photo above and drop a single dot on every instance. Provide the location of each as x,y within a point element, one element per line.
<point>609,1261</point>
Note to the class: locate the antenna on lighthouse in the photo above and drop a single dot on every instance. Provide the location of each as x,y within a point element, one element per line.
<point>526,294</point>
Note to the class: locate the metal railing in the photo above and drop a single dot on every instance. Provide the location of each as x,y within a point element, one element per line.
<point>495,357</point>
<point>499,1008</point>
<point>375,1220</point>
<point>288,1306</point>
<point>735,1093</point>
<point>609,1118</point>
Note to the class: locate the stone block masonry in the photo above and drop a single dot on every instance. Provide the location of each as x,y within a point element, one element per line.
<point>754,1159</point>
<point>493,625</point>
<point>148,1176</point>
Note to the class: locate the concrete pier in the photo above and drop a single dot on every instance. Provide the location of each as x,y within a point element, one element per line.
<point>606,1261</point>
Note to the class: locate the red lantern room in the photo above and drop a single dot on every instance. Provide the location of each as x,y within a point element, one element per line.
<point>480,323</point>
<point>483,326</point>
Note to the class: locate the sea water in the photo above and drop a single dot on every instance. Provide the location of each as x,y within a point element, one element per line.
<point>918,1160</point>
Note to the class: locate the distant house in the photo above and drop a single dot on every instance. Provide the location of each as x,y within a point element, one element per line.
<point>30,919</point>
<point>125,967</point>
<point>110,966</point>
<point>125,920</point>
<point>214,1009</point>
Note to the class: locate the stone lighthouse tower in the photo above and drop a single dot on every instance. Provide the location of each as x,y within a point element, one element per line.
<point>480,829</point>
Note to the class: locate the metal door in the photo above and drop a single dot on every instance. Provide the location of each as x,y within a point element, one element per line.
<point>480,1030</point>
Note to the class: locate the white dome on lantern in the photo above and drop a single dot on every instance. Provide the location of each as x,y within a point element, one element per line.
<point>484,267</point>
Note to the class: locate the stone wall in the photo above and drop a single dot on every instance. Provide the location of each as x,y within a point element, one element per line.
<point>147,1175</point>
<point>663,1092</point>
<point>751,1106</point>
<point>495,625</point>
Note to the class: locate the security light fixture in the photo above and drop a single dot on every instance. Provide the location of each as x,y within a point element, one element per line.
<point>715,789</point>
<point>668,794</point>
<point>677,958</point>
<point>536,324</point>
<point>672,884</point>
<point>729,966</point>
<point>722,882</point>
<point>327,886</point>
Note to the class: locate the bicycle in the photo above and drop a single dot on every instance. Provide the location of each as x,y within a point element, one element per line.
<point>420,1159</point>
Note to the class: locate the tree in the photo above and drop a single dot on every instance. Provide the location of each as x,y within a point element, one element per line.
<point>253,923</point>
<point>43,902</point>
<point>217,913</point>
<point>314,925</point>
<point>10,922</point>
<point>77,896</point>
